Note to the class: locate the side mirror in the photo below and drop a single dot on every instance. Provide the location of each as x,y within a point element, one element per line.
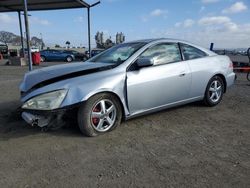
<point>144,62</point>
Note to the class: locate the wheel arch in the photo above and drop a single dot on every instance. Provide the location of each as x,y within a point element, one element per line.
<point>223,79</point>
<point>113,94</point>
<point>69,56</point>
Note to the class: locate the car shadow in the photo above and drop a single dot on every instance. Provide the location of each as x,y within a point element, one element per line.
<point>13,126</point>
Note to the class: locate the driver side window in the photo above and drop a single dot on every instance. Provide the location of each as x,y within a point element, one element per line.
<point>163,53</point>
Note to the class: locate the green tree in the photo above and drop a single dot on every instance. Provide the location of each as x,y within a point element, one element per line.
<point>67,43</point>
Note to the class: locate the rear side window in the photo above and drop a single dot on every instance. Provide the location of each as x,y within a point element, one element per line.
<point>163,53</point>
<point>191,52</point>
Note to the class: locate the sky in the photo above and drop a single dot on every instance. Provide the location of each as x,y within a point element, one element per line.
<point>224,22</point>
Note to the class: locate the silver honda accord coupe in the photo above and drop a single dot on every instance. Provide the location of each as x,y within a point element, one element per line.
<point>123,82</point>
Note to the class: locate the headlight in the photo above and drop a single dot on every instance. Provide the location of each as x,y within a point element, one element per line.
<point>47,101</point>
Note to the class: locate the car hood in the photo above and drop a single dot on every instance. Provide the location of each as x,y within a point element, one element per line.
<point>45,76</point>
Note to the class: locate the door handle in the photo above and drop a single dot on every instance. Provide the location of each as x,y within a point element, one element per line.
<point>182,74</point>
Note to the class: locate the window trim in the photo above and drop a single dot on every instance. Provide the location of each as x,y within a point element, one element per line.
<point>182,52</point>
<point>176,43</point>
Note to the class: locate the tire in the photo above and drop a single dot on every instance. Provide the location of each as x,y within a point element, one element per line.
<point>248,76</point>
<point>84,59</point>
<point>214,91</point>
<point>100,114</point>
<point>69,59</point>
<point>43,59</point>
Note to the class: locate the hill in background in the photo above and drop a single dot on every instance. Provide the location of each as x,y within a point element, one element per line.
<point>15,40</point>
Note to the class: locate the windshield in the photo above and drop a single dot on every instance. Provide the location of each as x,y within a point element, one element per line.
<point>118,54</point>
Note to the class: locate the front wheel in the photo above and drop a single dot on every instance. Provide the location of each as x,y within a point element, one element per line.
<point>214,91</point>
<point>43,59</point>
<point>100,114</point>
<point>84,58</point>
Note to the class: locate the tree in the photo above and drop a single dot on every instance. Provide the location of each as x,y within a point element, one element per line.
<point>57,46</point>
<point>67,43</point>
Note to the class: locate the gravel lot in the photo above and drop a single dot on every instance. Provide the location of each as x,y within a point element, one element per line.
<point>188,146</point>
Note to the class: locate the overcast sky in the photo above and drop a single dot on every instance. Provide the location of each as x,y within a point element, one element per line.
<point>224,22</point>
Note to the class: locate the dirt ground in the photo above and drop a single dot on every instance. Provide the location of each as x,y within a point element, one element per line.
<point>188,146</point>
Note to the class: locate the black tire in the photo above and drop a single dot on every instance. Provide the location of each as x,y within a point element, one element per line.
<point>43,59</point>
<point>69,59</point>
<point>208,99</point>
<point>248,76</point>
<point>85,118</point>
<point>84,59</point>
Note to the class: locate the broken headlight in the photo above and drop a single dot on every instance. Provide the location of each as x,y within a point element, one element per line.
<point>47,101</point>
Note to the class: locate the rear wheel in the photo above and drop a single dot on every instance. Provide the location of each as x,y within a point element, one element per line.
<point>100,114</point>
<point>214,91</point>
<point>248,76</point>
<point>69,59</point>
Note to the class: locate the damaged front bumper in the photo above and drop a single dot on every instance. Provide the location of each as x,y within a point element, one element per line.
<point>50,119</point>
<point>36,120</point>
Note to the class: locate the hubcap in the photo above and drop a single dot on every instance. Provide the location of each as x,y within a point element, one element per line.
<point>103,115</point>
<point>69,59</point>
<point>215,91</point>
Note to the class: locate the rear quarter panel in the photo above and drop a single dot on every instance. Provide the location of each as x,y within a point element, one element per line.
<point>204,69</point>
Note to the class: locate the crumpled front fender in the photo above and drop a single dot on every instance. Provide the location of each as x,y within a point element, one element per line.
<point>82,88</point>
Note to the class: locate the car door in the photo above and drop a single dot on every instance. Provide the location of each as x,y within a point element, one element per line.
<point>51,55</point>
<point>167,81</point>
<point>200,65</point>
<point>58,55</point>
<point>45,54</point>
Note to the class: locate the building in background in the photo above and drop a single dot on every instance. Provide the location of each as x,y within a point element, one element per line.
<point>120,38</point>
<point>104,44</point>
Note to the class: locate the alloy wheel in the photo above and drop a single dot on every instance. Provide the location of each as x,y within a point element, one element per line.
<point>69,59</point>
<point>103,115</point>
<point>215,91</point>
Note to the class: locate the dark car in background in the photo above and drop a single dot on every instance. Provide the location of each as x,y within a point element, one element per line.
<point>3,49</point>
<point>56,55</point>
<point>78,55</point>
<point>94,52</point>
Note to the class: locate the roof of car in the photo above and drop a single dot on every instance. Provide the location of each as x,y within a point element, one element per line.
<point>159,39</point>
<point>175,41</point>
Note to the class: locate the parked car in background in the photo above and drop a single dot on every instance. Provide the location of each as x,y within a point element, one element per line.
<point>220,52</point>
<point>94,52</point>
<point>242,52</point>
<point>3,48</point>
<point>56,55</point>
<point>78,56</point>
<point>123,82</point>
